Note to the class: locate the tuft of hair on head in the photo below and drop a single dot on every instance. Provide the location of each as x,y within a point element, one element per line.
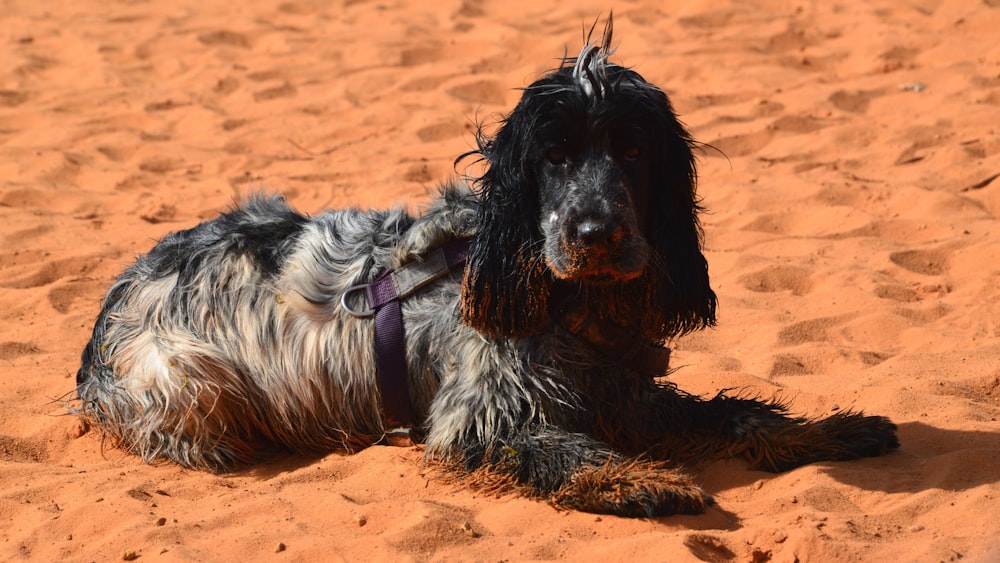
<point>590,71</point>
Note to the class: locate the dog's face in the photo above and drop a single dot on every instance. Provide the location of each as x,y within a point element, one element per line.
<point>590,185</point>
<point>593,180</point>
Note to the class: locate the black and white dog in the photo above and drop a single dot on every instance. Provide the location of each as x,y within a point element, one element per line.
<point>534,365</point>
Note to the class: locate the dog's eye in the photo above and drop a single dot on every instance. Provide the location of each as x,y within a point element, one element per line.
<point>633,153</point>
<point>555,155</point>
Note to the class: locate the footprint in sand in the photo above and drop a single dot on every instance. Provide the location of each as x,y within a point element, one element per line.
<point>898,58</point>
<point>442,130</point>
<point>63,298</point>
<point>897,293</point>
<point>980,390</point>
<point>117,153</point>
<point>828,499</point>
<point>707,547</point>
<point>797,124</point>
<point>285,90</point>
<point>18,238</point>
<point>19,258</point>
<point>226,86</point>
<point>165,105</point>
<point>853,102</point>
<point>811,330</point>
<point>12,98</point>
<point>699,101</point>
<point>225,38</point>
<point>778,278</point>
<point>743,144</point>
<point>53,271</point>
<point>13,350</point>
<point>449,524</point>
<point>19,450</point>
<point>480,92</point>
<point>420,55</point>
<point>873,358</point>
<point>424,83</point>
<point>927,262</point>
<point>711,19</point>
<point>161,164</point>
<point>419,172</point>
<point>771,223</point>
<point>233,123</point>
<point>788,364</point>
<point>922,140</point>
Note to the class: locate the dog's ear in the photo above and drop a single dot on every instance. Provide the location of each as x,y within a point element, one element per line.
<point>675,230</point>
<point>506,287</point>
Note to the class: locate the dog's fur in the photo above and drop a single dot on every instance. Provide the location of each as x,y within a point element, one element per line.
<point>229,341</point>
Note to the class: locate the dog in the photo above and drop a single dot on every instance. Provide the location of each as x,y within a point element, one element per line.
<point>531,360</point>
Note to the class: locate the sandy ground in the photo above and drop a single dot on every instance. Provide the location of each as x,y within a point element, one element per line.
<point>851,173</point>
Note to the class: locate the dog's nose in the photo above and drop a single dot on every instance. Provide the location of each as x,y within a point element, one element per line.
<point>592,231</point>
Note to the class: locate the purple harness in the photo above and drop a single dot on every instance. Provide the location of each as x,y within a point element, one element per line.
<point>384,296</point>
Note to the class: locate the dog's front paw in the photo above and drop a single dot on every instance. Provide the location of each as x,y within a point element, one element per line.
<point>632,488</point>
<point>862,436</point>
<point>841,437</point>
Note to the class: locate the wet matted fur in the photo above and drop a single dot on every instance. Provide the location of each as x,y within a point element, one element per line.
<point>228,342</point>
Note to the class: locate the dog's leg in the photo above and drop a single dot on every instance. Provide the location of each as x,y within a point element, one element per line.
<point>770,439</point>
<point>578,472</point>
<point>503,425</point>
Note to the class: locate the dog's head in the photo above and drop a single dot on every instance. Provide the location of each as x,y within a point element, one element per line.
<point>590,184</point>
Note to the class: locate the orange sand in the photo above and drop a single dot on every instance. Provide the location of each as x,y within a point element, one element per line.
<point>850,169</point>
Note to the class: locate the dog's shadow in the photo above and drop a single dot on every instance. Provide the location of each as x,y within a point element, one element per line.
<point>278,464</point>
<point>928,458</point>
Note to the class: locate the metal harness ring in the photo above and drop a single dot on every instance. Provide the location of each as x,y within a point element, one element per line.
<point>354,313</point>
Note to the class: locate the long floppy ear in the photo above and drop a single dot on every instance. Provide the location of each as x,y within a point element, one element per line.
<point>506,287</point>
<point>675,230</point>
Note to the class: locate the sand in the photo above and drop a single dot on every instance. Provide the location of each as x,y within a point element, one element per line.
<point>850,166</point>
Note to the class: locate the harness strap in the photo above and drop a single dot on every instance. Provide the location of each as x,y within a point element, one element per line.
<point>390,352</point>
<point>384,298</point>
